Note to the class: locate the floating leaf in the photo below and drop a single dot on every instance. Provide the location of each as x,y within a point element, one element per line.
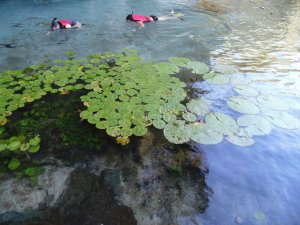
<point>246,90</point>
<point>113,131</point>
<point>179,61</point>
<point>283,119</point>
<point>14,164</point>
<point>14,145</point>
<point>242,105</point>
<point>139,130</point>
<point>198,106</point>
<point>34,148</point>
<point>176,132</point>
<point>197,67</point>
<point>221,123</point>
<point>240,138</point>
<point>169,117</point>
<point>215,78</point>
<point>3,147</point>
<point>3,120</point>
<point>159,124</point>
<point>255,125</point>
<point>203,134</point>
<point>272,102</point>
<point>166,68</point>
<point>35,141</point>
<point>24,147</point>
<point>228,69</point>
<point>190,117</point>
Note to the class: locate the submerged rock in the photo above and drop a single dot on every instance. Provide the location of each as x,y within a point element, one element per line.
<point>153,182</point>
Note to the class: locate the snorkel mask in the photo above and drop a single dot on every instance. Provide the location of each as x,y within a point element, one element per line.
<point>154,17</point>
<point>54,25</point>
<point>129,17</point>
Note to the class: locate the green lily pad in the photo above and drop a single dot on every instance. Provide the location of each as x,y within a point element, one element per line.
<point>228,69</point>
<point>176,132</point>
<point>242,105</point>
<point>3,147</point>
<point>282,119</point>
<point>246,90</point>
<point>190,117</point>
<point>197,67</point>
<point>203,134</point>
<point>34,149</point>
<point>272,102</point>
<point>139,130</point>
<point>240,138</point>
<point>169,117</point>
<point>113,131</point>
<point>14,164</point>
<point>198,106</point>
<point>24,147</point>
<point>215,78</point>
<point>159,124</point>
<point>221,123</point>
<point>14,145</point>
<point>166,68</point>
<point>255,125</point>
<point>179,61</point>
<point>35,141</point>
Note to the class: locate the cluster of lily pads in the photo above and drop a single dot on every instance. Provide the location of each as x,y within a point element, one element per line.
<point>16,146</point>
<point>125,96</point>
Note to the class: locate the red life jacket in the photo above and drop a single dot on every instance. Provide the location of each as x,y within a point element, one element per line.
<point>64,23</point>
<point>138,17</point>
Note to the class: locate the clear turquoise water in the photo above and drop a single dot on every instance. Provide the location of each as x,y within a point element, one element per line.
<point>255,185</point>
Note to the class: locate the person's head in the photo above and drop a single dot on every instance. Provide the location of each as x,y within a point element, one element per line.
<point>154,17</point>
<point>54,25</point>
<point>129,17</point>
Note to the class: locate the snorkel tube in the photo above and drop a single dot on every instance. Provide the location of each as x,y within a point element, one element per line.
<point>54,25</point>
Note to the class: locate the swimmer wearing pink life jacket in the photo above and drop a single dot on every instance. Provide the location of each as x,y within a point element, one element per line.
<point>64,24</point>
<point>140,19</point>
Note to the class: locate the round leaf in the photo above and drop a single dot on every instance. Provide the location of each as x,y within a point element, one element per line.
<point>176,132</point>
<point>255,125</point>
<point>272,102</point>
<point>242,105</point>
<point>203,134</point>
<point>283,119</point>
<point>221,123</point>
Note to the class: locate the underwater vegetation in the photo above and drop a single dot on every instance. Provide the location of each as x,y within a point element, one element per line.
<point>124,96</point>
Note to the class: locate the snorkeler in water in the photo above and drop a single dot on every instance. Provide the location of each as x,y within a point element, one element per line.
<point>140,19</point>
<point>63,24</point>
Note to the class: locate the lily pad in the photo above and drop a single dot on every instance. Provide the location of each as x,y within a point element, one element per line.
<point>203,134</point>
<point>197,67</point>
<point>272,102</point>
<point>14,145</point>
<point>228,69</point>
<point>159,124</point>
<point>14,164</point>
<point>35,141</point>
<point>190,117</point>
<point>240,138</point>
<point>24,147</point>
<point>221,123</point>
<point>198,106</point>
<point>179,61</point>
<point>255,125</point>
<point>139,130</point>
<point>215,78</point>
<point>34,149</point>
<point>242,105</point>
<point>166,68</point>
<point>246,90</point>
<point>3,147</point>
<point>176,132</point>
<point>283,119</point>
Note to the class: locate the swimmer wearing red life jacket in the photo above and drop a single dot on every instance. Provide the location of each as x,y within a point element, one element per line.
<point>63,24</point>
<point>140,19</point>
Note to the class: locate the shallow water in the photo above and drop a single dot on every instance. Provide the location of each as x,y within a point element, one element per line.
<point>249,185</point>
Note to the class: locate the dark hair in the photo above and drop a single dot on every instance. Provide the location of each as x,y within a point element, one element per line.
<point>129,17</point>
<point>54,25</point>
<point>154,17</point>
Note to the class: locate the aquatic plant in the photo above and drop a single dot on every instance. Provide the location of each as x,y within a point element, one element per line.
<point>124,96</point>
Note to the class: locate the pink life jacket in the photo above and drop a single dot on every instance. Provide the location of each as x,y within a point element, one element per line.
<point>64,23</point>
<point>138,17</point>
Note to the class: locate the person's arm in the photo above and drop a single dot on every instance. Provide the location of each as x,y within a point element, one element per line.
<point>141,24</point>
